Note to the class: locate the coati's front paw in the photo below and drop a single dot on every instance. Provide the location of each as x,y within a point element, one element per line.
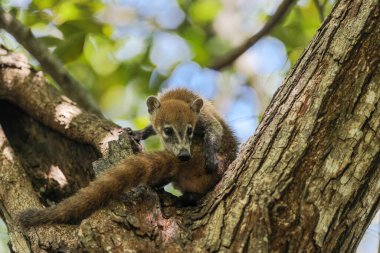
<point>211,162</point>
<point>135,135</point>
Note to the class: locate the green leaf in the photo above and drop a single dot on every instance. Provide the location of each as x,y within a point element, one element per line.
<point>196,37</point>
<point>99,51</point>
<point>81,25</point>
<point>204,11</point>
<point>42,4</point>
<point>70,48</point>
<point>32,17</point>
<point>50,41</point>
<point>67,10</point>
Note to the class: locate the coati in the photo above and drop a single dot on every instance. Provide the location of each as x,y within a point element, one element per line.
<point>199,146</point>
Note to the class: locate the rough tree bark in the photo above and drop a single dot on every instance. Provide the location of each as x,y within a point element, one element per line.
<point>307,181</point>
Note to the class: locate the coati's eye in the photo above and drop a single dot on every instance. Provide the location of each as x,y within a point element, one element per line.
<point>189,130</point>
<point>168,131</point>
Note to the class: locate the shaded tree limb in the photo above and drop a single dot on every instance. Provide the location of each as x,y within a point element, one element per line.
<point>49,158</point>
<point>271,23</point>
<point>48,61</point>
<point>14,199</point>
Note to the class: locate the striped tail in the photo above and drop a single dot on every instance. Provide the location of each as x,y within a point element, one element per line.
<point>142,169</point>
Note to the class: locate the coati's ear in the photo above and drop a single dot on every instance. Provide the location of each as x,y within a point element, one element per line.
<point>153,104</point>
<point>196,105</point>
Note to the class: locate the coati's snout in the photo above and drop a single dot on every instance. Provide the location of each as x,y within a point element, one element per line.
<point>184,155</point>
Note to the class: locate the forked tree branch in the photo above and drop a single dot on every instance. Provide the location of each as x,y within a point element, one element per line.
<point>49,62</point>
<point>272,22</point>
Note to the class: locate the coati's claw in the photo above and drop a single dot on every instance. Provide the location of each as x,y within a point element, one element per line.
<point>140,135</point>
<point>129,130</point>
<point>135,135</point>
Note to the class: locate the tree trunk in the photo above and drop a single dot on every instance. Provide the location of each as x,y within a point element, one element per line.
<point>307,181</point>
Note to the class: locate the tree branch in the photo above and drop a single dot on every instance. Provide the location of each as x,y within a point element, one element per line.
<point>49,62</point>
<point>28,89</point>
<point>272,22</point>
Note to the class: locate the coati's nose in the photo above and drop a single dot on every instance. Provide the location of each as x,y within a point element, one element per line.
<point>184,155</point>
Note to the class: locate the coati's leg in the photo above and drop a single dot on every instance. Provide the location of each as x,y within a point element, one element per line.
<point>142,134</point>
<point>212,130</point>
<point>210,154</point>
<point>153,169</point>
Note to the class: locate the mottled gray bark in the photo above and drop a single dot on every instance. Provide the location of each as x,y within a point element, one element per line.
<point>307,181</point>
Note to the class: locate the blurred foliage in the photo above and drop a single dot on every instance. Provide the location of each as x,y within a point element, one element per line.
<point>83,36</point>
<point>298,28</point>
<point>124,50</point>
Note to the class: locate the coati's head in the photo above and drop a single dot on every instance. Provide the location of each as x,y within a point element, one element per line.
<point>174,121</point>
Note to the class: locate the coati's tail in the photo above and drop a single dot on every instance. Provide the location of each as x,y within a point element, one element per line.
<point>149,168</point>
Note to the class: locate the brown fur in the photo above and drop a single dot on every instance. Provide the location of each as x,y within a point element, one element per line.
<point>141,169</point>
<point>177,107</point>
<point>208,122</point>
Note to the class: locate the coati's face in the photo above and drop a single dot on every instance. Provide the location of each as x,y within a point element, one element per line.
<point>174,121</point>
